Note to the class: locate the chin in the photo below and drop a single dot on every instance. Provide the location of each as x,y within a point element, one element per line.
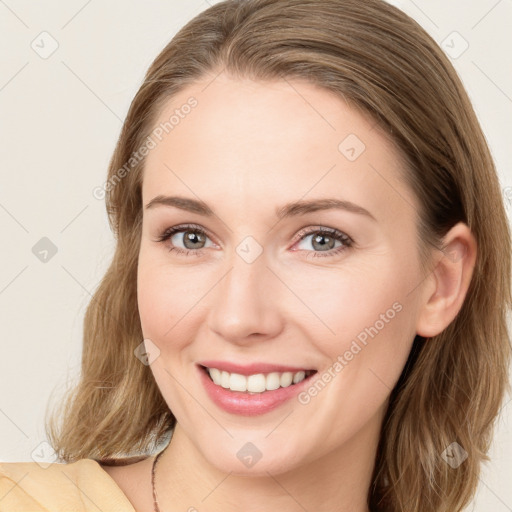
<point>256,459</point>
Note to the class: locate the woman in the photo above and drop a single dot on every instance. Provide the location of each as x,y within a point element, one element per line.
<point>311,279</point>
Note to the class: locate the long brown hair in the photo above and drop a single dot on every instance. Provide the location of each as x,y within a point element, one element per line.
<point>380,60</point>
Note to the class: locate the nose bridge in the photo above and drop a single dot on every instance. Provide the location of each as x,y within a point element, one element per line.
<point>245,302</point>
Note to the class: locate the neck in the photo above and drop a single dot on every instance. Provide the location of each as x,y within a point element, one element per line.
<point>336,482</point>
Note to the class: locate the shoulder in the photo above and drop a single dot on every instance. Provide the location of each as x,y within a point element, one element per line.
<point>133,477</point>
<point>80,486</point>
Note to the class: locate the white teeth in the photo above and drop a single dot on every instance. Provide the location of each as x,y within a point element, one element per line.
<point>273,381</point>
<point>286,379</point>
<point>237,382</point>
<point>299,376</point>
<point>224,380</point>
<point>215,375</point>
<point>257,383</point>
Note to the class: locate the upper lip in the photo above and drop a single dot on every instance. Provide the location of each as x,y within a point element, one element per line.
<point>251,369</point>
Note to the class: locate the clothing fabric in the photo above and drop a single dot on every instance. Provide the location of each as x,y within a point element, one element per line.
<point>81,486</point>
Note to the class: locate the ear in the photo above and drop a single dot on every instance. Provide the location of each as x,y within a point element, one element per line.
<point>446,286</point>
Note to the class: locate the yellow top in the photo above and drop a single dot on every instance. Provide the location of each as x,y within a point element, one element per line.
<point>82,486</point>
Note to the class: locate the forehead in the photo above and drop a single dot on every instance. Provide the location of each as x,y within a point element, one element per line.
<point>246,142</point>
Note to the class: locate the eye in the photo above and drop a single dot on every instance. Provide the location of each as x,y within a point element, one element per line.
<point>324,239</point>
<point>193,240</point>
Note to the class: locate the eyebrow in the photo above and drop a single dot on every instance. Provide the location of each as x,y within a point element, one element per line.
<point>292,209</point>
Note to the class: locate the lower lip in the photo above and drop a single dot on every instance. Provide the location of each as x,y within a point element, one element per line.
<point>246,404</point>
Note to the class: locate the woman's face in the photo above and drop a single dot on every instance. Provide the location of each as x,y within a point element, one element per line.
<point>262,285</point>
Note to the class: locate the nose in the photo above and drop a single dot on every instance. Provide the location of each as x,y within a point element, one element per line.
<point>245,304</point>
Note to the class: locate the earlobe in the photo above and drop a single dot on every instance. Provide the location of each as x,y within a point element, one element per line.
<point>446,287</point>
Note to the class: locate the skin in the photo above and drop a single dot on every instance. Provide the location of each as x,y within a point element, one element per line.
<point>246,149</point>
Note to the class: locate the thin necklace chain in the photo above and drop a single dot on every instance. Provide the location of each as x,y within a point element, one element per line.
<point>155,501</point>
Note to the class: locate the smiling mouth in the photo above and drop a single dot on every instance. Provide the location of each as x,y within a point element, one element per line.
<point>258,382</point>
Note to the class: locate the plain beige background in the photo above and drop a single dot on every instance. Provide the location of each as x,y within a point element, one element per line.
<point>69,71</point>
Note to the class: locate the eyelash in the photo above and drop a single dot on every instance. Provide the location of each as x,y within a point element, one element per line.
<point>334,233</point>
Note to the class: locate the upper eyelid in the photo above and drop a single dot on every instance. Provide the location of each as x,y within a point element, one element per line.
<point>303,232</point>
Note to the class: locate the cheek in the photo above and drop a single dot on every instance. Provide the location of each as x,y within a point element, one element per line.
<point>367,371</point>
<point>339,304</point>
<point>169,299</point>
<point>365,361</point>
<point>363,324</point>
<point>165,313</point>
<point>153,300</point>
<point>156,296</point>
